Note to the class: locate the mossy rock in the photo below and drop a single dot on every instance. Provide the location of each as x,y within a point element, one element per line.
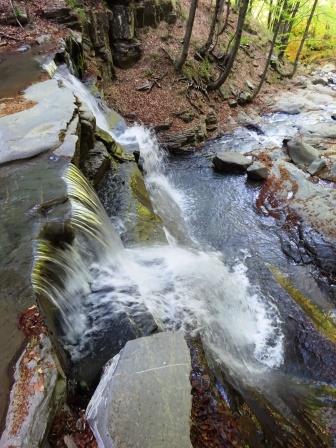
<point>148,224</point>
<point>111,145</point>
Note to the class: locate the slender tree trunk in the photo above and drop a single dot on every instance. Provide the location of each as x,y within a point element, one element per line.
<point>288,30</point>
<point>233,52</point>
<point>227,15</point>
<point>270,13</point>
<point>304,37</point>
<point>261,8</point>
<point>269,57</point>
<point>187,36</point>
<point>276,15</point>
<point>218,7</point>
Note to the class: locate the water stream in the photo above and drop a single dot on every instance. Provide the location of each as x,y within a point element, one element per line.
<point>211,278</point>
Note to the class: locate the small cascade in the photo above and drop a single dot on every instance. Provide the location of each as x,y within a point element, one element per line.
<point>183,286</point>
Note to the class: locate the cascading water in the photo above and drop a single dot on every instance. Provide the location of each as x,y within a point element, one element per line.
<point>183,286</point>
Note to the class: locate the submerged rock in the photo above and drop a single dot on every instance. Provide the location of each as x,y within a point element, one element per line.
<point>144,397</point>
<point>233,162</point>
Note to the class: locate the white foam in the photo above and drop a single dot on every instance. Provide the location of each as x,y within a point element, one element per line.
<point>184,287</point>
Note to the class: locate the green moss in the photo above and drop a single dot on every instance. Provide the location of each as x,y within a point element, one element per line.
<point>78,8</point>
<point>324,324</point>
<point>198,71</point>
<point>148,224</point>
<point>111,145</point>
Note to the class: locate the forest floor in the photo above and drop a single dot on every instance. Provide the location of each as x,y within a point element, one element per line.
<point>167,100</point>
<point>178,101</point>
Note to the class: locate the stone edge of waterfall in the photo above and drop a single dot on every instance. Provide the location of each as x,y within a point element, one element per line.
<point>122,395</point>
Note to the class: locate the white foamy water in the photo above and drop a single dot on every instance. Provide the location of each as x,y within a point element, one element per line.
<point>184,286</point>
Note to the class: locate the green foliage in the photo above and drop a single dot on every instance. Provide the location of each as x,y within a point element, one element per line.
<point>202,70</point>
<point>245,40</point>
<point>76,6</point>
<point>321,40</point>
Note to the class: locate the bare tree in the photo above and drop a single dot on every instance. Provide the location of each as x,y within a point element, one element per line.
<point>304,37</point>
<point>230,58</point>
<point>187,36</point>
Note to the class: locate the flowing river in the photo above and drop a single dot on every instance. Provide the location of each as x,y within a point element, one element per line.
<point>212,277</point>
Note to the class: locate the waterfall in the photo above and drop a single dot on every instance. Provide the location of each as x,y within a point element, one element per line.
<point>184,286</point>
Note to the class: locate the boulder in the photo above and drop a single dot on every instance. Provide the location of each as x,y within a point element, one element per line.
<point>43,39</point>
<point>176,142</point>
<point>62,14</point>
<point>249,84</point>
<point>126,53</point>
<point>258,171</point>
<point>211,121</point>
<point>244,98</point>
<point>233,103</point>
<point>302,154</point>
<point>144,396</point>
<point>37,392</point>
<point>316,166</point>
<point>186,116</point>
<point>231,162</point>
<point>250,122</point>
<point>319,80</point>
<point>224,92</point>
<point>320,130</point>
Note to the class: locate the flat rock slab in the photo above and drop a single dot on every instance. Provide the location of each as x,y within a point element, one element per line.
<point>144,397</point>
<point>40,128</point>
<point>231,162</point>
<point>36,393</point>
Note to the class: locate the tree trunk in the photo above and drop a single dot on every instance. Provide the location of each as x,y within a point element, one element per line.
<point>304,37</point>
<point>218,8</point>
<point>233,52</point>
<point>227,14</point>
<point>288,30</point>
<point>270,13</point>
<point>187,36</point>
<point>269,57</point>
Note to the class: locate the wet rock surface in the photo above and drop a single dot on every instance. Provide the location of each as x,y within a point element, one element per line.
<point>302,154</point>
<point>233,162</point>
<point>258,171</point>
<point>148,385</point>
<point>38,389</point>
<point>38,129</point>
